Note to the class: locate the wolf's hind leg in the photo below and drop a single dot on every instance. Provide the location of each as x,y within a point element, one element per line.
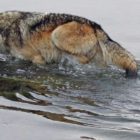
<point>76,39</point>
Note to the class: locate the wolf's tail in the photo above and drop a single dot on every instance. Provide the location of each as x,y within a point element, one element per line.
<point>114,53</point>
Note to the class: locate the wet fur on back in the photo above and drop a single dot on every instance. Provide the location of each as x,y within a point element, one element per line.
<point>43,38</point>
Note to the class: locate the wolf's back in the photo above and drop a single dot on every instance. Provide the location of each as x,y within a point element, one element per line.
<point>15,24</point>
<point>6,18</point>
<point>9,17</point>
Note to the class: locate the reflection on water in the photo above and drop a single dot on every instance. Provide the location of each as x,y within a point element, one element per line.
<point>85,96</point>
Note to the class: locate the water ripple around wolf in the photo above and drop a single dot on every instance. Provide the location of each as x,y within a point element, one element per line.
<point>85,96</point>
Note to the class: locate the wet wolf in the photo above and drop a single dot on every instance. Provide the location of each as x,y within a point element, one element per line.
<point>44,38</point>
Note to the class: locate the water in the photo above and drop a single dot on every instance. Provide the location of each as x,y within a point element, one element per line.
<point>97,103</point>
<point>81,103</point>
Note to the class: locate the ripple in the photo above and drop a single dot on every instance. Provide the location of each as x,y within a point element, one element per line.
<point>85,96</point>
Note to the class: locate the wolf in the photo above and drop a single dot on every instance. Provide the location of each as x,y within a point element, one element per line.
<point>49,37</point>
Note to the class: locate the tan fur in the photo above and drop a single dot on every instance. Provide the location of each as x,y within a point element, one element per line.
<point>77,39</point>
<point>53,36</point>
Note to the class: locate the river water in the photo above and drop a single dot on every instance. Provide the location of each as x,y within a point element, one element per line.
<point>80,103</point>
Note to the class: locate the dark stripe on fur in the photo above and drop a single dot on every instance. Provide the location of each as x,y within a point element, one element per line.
<point>58,19</point>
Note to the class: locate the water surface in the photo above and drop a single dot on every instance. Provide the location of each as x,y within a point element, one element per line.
<point>97,103</point>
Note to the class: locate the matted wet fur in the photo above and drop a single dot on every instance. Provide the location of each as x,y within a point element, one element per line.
<point>43,38</point>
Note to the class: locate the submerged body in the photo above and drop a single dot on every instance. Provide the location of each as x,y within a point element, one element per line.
<point>43,38</point>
